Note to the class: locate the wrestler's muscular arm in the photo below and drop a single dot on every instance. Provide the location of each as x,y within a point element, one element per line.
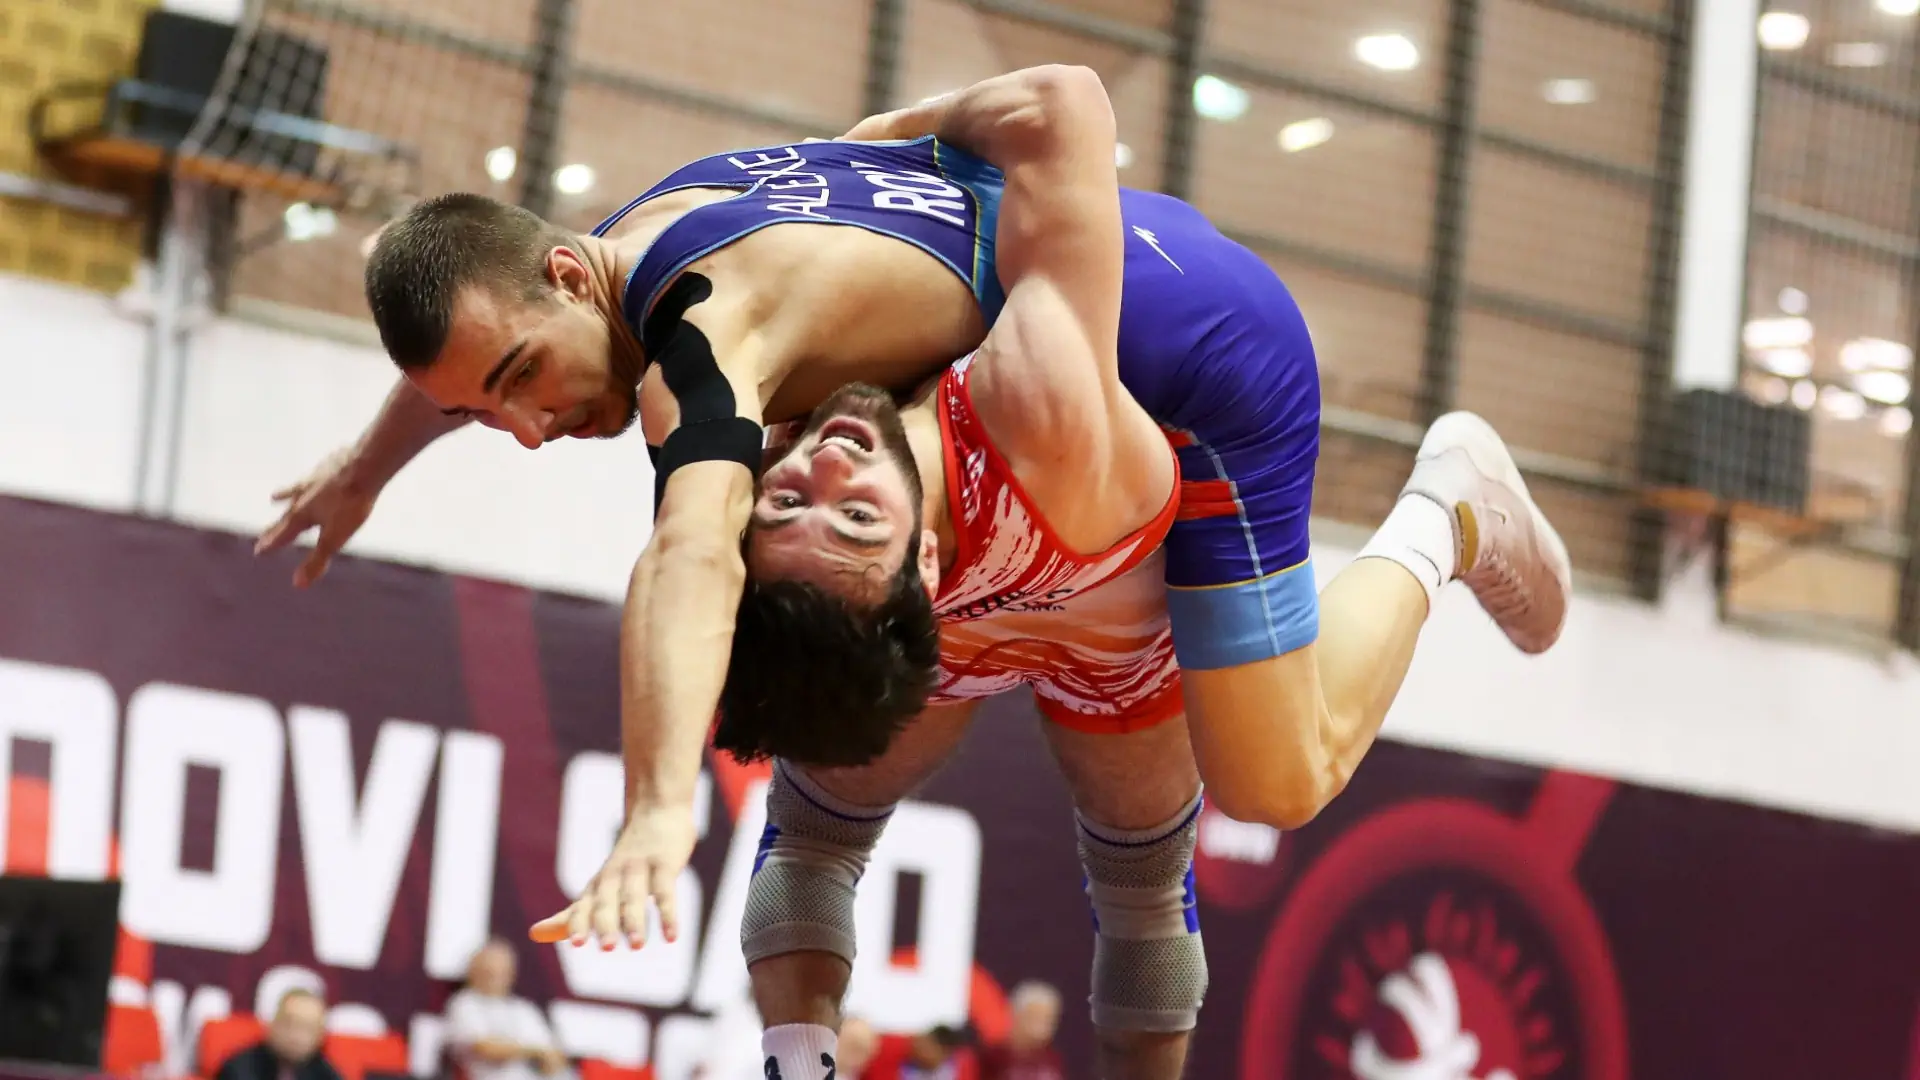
<point>1046,380</point>
<point>677,627</point>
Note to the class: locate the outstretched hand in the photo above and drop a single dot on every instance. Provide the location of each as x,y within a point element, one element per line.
<point>334,500</point>
<point>646,862</point>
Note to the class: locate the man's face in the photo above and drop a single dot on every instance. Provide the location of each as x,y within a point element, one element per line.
<point>492,972</point>
<point>841,506</point>
<point>297,1028</point>
<point>1035,1021</point>
<point>541,369</point>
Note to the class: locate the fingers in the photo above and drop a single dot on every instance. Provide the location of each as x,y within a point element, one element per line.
<point>280,533</point>
<point>605,916</point>
<point>289,491</point>
<point>665,881</point>
<point>328,544</point>
<point>613,908</point>
<point>633,902</point>
<point>312,569</point>
<point>580,916</point>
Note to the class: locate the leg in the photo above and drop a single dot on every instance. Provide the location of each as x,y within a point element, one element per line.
<point>1286,690</point>
<point>1280,732</point>
<point>1138,800</point>
<point>797,933</point>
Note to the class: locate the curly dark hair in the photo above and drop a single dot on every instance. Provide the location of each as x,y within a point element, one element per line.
<point>820,680</point>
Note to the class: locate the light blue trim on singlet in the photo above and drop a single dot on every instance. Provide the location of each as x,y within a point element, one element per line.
<point>975,175</point>
<point>958,167</point>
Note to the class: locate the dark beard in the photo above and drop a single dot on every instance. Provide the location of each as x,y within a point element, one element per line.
<point>630,398</point>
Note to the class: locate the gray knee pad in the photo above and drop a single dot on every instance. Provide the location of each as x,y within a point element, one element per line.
<point>812,853</point>
<point>1149,969</point>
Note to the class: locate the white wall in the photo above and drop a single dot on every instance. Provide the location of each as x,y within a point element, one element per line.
<point>263,407</point>
<point>1661,696</point>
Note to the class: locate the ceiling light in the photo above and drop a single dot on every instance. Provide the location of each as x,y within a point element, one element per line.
<point>1217,99</point>
<point>1792,301</point>
<point>1388,52</point>
<point>1771,391</point>
<point>1857,54</point>
<point>1784,31</point>
<point>1804,394</point>
<point>1305,134</point>
<point>573,179</point>
<point>501,161</point>
<point>1788,363</point>
<point>1787,333</point>
<point>1841,403</point>
<point>1875,354</point>
<point>1569,91</point>
<point>1903,8</point>
<point>1896,421</point>
<point>1885,387</point>
<point>1122,155</point>
<point>306,222</point>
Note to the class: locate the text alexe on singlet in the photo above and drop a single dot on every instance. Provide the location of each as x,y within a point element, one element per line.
<point>792,189</point>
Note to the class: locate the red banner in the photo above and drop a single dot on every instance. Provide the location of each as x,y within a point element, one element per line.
<point>354,785</point>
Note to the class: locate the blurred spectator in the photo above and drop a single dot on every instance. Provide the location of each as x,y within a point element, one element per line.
<point>940,1054</point>
<point>1028,1053</point>
<point>292,1047</point>
<point>494,1035</point>
<point>858,1045</point>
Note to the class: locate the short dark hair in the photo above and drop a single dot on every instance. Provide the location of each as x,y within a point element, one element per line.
<point>444,245</point>
<point>819,680</point>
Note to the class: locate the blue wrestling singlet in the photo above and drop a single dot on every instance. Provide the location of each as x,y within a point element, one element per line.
<point>1212,345</point>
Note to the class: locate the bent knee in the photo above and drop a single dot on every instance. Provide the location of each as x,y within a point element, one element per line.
<point>1284,807</point>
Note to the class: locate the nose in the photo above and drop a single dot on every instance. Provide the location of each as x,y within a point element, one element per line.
<point>529,427</point>
<point>832,462</point>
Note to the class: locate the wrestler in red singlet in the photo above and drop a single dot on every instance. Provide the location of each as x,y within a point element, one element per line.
<point>1089,632</point>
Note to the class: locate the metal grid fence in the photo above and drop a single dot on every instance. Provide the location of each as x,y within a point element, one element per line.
<point>1476,201</point>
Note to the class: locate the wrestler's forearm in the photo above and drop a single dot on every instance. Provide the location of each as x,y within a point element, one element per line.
<point>677,631</point>
<point>406,424</point>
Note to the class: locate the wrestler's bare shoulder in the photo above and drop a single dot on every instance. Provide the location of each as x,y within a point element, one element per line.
<point>829,304</point>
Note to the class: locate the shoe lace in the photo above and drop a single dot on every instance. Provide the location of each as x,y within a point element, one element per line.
<point>1499,584</point>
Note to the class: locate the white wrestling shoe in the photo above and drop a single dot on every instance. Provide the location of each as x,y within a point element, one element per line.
<point>1507,551</point>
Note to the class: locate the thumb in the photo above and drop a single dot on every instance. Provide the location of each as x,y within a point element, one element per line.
<point>550,930</point>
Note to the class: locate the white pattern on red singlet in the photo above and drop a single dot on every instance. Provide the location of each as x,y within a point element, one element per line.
<point>1088,632</point>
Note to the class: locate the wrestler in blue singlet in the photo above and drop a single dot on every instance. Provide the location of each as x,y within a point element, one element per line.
<point>1211,344</point>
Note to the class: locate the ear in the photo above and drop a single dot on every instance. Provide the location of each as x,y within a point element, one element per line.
<point>569,272</point>
<point>930,562</point>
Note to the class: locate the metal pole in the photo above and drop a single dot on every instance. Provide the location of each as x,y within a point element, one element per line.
<point>885,28</point>
<point>1906,617</point>
<point>1653,440</point>
<point>177,265</point>
<point>1446,266</point>
<point>540,135</point>
<point>1187,24</point>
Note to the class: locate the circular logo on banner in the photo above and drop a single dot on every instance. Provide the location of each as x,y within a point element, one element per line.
<point>1435,941</point>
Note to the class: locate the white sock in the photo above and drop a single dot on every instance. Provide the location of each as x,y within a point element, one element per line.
<point>799,1051</point>
<point>1418,535</point>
